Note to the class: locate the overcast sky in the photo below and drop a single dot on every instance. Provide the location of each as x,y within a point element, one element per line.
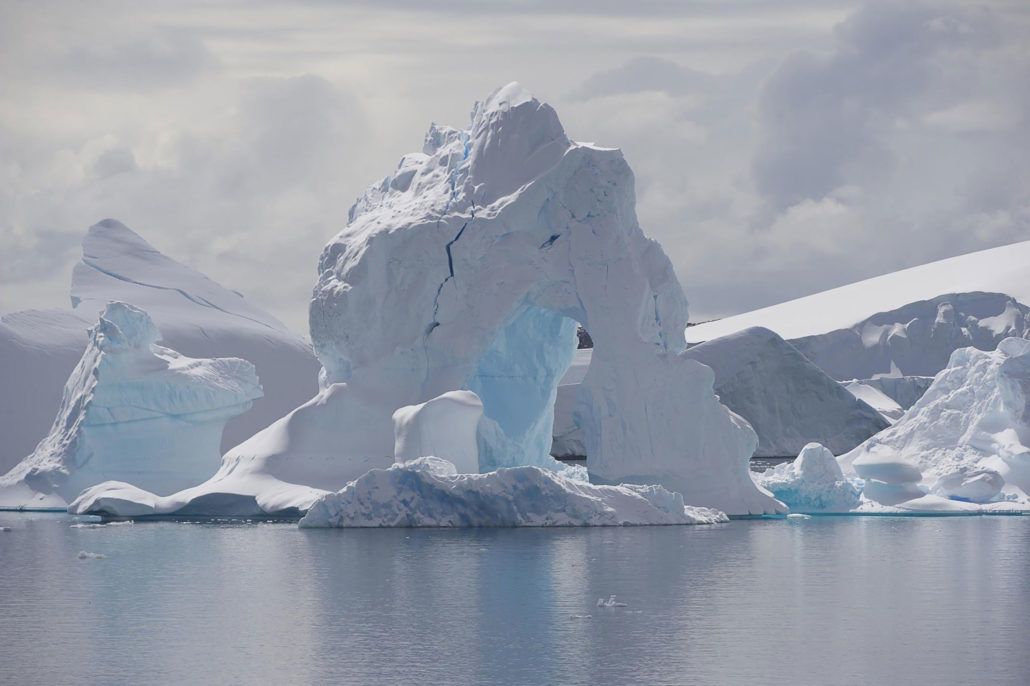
<point>779,148</point>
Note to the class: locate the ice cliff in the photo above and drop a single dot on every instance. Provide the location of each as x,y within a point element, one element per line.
<point>964,441</point>
<point>132,410</point>
<point>195,315</point>
<point>469,268</point>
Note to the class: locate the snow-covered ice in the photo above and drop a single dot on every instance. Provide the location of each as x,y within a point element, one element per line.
<point>446,425</point>
<point>428,492</point>
<point>196,316</point>
<point>469,268</point>
<point>813,482</point>
<point>132,410</point>
<point>963,445</point>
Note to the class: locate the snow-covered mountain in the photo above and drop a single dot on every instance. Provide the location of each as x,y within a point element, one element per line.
<point>196,316</point>
<point>1005,269</point>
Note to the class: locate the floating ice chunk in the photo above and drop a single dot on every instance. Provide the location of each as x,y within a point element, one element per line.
<point>84,555</point>
<point>428,492</point>
<point>4,529</point>
<point>610,602</point>
<point>798,515</point>
<point>811,483</point>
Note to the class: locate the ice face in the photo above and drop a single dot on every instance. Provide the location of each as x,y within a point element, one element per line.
<point>965,439</point>
<point>132,410</point>
<point>195,315</point>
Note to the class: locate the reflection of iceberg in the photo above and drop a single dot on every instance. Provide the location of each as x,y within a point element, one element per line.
<point>468,268</point>
<point>429,492</point>
<point>132,410</point>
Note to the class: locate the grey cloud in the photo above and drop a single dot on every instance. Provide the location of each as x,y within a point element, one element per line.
<point>161,59</point>
<point>646,74</point>
<point>823,117</point>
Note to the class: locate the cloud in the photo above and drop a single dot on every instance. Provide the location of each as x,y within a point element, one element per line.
<point>646,73</point>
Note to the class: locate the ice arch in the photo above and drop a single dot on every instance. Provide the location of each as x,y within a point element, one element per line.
<point>468,268</point>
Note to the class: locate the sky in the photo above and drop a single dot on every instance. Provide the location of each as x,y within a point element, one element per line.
<point>779,149</point>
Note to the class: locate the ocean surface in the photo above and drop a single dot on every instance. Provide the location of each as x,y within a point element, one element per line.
<point>827,600</point>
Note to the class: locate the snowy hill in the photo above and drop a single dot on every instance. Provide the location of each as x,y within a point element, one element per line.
<point>196,316</point>
<point>1005,269</point>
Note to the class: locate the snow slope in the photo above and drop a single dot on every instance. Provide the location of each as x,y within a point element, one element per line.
<point>966,439</point>
<point>196,316</point>
<point>998,270</point>
<point>135,410</point>
<point>429,492</point>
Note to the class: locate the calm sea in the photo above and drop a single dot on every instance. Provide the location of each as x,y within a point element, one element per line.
<point>832,600</point>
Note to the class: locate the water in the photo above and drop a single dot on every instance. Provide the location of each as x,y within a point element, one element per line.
<point>832,600</point>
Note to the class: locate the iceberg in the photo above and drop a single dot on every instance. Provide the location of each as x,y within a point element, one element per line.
<point>196,317</point>
<point>468,269</point>
<point>132,410</point>
<point>788,401</point>
<point>963,445</point>
<point>891,396</point>
<point>812,483</point>
<point>428,492</point>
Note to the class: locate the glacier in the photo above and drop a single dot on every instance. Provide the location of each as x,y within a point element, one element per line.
<point>962,446</point>
<point>428,492</point>
<point>469,268</point>
<point>132,410</point>
<point>195,316</point>
<point>788,401</point>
